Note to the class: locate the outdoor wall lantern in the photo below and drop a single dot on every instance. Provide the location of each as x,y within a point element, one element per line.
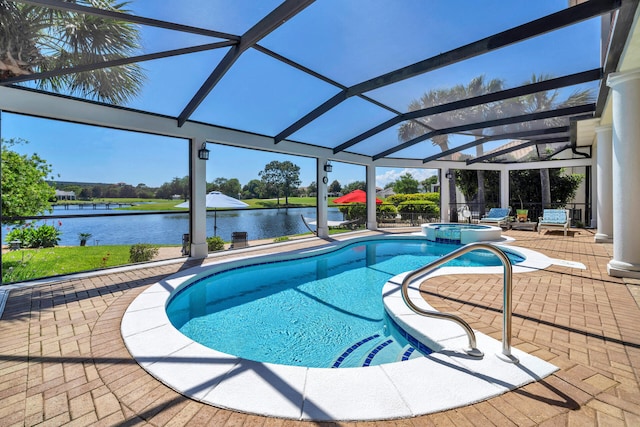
<point>203,153</point>
<point>448,175</point>
<point>328,167</point>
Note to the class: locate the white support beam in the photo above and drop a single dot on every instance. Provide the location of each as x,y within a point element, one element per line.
<point>444,195</point>
<point>322,181</point>
<point>197,201</point>
<point>604,200</point>
<point>372,224</point>
<point>504,189</point>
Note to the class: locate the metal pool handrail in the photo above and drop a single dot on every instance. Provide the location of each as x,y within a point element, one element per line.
<point>507,298</point>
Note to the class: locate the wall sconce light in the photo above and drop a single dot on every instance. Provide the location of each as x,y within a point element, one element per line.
<point>448,175</point>
<point>328,167</point>
<point>203,153</point>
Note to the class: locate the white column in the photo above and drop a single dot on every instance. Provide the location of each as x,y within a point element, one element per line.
<point>197,201</point>
<point>372,224</point>
<point>594,194</point>
<point>625,88</point>
<point>322,180</point>
<point>504,189</point>
<point>604,199</point>
<point>444,196</point>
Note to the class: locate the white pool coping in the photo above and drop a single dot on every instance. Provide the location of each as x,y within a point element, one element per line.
<point>443,380</point>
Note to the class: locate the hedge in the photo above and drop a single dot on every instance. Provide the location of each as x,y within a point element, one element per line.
<point>424,208</point>
<point>396,199</point>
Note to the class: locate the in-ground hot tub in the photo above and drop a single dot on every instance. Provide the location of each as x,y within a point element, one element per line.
<point>461,233</point>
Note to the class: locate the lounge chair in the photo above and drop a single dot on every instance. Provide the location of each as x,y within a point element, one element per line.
<point>239,240</point>
<point>555,219</point>
<point>497,216</point>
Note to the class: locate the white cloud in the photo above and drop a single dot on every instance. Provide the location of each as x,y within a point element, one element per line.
<point>390,175</point>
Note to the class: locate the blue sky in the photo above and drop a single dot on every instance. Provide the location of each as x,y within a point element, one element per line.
<point>341,39</point>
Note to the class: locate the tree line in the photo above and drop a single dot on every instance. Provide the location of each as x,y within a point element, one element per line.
<point>277,179</point>
<point>29,189</point>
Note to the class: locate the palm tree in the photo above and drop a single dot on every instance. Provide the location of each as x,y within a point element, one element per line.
<point>480,113</point>
<point>34,39</point>
<point>412,129</point>
<point>544,101</point>
<point>420,126</point>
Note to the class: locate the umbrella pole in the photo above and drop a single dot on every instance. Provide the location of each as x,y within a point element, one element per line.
<point>215,222</point>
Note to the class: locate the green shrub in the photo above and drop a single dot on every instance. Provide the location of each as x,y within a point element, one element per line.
<point>396,199</point>
<point>215,243</point>
<point>433,197</point>
<point>141,252</point>
<point>354,211</point>
<point>17,235</point>
<point>45,236</point>
<point>83,238</point>
<point>281,239</point>
<point>386,211</point>
<point>424,208</point>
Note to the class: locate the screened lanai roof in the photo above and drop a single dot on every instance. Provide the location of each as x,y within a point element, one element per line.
<point>468,81</point>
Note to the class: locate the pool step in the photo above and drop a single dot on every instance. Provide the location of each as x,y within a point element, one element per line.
<point>378,350</point>
<point>354,348</point>
<point>409,352</point>
<point>375,350</point>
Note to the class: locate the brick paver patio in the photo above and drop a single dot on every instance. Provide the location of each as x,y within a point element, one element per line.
<point>63,362</point>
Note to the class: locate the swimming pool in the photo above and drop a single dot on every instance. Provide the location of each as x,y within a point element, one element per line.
<point>444,379</point>
<point>323,310</point>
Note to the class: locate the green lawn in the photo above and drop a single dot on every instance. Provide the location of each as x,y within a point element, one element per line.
<point>155,205</point>
<point>29,264</point>
<point>164,205</point>
<point>294,202</point>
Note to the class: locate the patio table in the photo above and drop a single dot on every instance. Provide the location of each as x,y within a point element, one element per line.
<point>526,225</point>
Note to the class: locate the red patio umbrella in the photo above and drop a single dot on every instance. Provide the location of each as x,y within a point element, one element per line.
<point>356,196</point>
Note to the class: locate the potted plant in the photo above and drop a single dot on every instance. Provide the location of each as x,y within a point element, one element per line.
<point>83,238</point>
<point>522,215</point>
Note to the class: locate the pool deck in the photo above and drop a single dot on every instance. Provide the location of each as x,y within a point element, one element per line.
<point>63,361</point>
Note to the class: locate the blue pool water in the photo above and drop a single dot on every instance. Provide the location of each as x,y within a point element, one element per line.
<point>319,311</point>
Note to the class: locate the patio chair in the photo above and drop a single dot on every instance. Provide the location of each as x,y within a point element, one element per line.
<point>555,219</point>
<point>186,245</point>
<point>239,240</point>
<point>497,216</point>
<point>465,213</point>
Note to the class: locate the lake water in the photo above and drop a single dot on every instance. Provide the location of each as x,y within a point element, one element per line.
<point>169,228</point>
